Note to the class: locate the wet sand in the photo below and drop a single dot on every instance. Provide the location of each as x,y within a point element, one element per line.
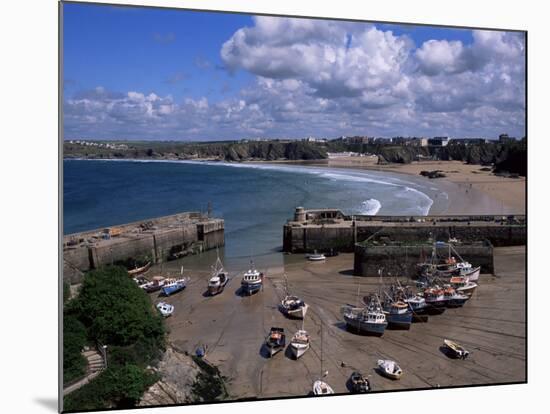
<point>491,326</point>
<point>471,190</point>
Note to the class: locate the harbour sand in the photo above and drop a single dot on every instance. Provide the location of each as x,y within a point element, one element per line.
<point>491,326</point>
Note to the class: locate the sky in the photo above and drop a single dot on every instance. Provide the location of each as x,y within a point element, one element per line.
<point>161,74</point>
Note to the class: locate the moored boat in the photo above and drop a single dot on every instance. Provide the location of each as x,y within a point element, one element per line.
<point>455,349</point>
<point>455,299</point>
<point>316,257</point>
<point>294,307</point>
<point>252,280</point>
<point>359,382</point>
<point>218,280</point>
<point>398,314</point>
<point>172,286</point>
<point>275,340</point>
<point>390,369</point>
<point>299,343</point>
<point>322,388</point>
<point>165,309</point>
<point>154,285</point>
<point>463,285</point>
<point>419,308</point>
<point>139,270</point>
<point>369,320</point>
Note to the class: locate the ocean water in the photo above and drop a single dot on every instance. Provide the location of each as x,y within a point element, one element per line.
<point>254,199</point>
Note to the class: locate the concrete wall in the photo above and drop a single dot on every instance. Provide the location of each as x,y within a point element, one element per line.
<point>157,244</point>
<point>304,238</point>
<point>402,260</point>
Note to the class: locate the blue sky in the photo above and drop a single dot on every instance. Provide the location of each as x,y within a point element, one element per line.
<point>145,73</point>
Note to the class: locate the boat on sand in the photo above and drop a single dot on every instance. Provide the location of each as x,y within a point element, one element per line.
<point>389,369</point>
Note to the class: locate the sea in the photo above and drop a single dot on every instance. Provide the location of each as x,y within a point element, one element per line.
<point>255,200</point>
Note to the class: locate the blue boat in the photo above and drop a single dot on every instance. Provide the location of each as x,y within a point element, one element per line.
<point>252,281</point>
<point>398,314</point>
<point>172,286</point>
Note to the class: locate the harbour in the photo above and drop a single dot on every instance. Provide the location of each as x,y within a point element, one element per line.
<point>491,325</point>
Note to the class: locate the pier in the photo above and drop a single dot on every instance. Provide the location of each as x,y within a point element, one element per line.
<point>325,229</point>
<point>159,239</point>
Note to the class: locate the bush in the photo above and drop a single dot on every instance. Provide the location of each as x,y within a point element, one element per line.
<point>116,387</point>
<point>74,339</point>
<point>116,311</point>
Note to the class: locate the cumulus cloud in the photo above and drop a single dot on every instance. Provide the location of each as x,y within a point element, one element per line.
<point>329,78</point>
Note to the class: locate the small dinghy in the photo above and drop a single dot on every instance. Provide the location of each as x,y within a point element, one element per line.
<point>322,388</point>
<point>456,350</point>
<point>275,341</point>
<point>390,369</point>
<point>359,383</point>
<point>299,343</point>
<point>294,307</point>
<point>316,257</point>
<point>201,351</point>
<point>165,309</point>
<point>139,270</point>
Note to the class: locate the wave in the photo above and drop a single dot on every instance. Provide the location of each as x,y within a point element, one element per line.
<point>333,174</point>
<point>370,207</point>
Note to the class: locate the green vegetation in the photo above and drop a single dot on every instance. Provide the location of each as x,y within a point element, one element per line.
<point>116,387</point>
<point>74,339</point>
<point>111,309</point>
<point>66,291</point>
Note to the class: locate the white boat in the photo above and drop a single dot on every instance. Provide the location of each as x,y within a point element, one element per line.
<point>390,369</point>
<point>316,257</point>
<point>299,343</point>
<point>463,285</point>
<point>165,309</point>
<point>322,388</point>
<point>472,274</point>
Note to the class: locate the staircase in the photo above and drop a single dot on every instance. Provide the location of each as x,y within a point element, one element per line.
<point>96,364</point>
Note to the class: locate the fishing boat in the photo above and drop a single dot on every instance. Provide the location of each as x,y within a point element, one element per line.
<point>139,270</point>
<point>275,340</point>
<point>463,285</point>
<point>455,299</point>
<point>154,285</point>
<point>419,308</point>
<point>472,274</point>
<point>455,349</point>
<point>359,383</point>
<point>294,307</point>
<point>316,257</point>
<point>398,314</point>
<point>252,280</point>
<point>218,280</point>
<point>165,309</point>
<point>435,297</point>
<point>390,369</point>
<point>299,343</point>
<point>369,320</point>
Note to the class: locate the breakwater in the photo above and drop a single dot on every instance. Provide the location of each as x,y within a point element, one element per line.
<point>158,239</point>
<point>325,229</point>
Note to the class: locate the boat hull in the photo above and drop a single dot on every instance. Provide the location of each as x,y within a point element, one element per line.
<point>170,290</point>
<point>298,350</point>
<point>250,289</point>
<point>367,328</point>
<point>399,320</point>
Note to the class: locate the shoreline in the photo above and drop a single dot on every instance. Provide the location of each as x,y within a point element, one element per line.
<point>469,189</point>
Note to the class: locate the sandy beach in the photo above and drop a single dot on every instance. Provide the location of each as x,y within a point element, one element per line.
<point>471,190</point>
